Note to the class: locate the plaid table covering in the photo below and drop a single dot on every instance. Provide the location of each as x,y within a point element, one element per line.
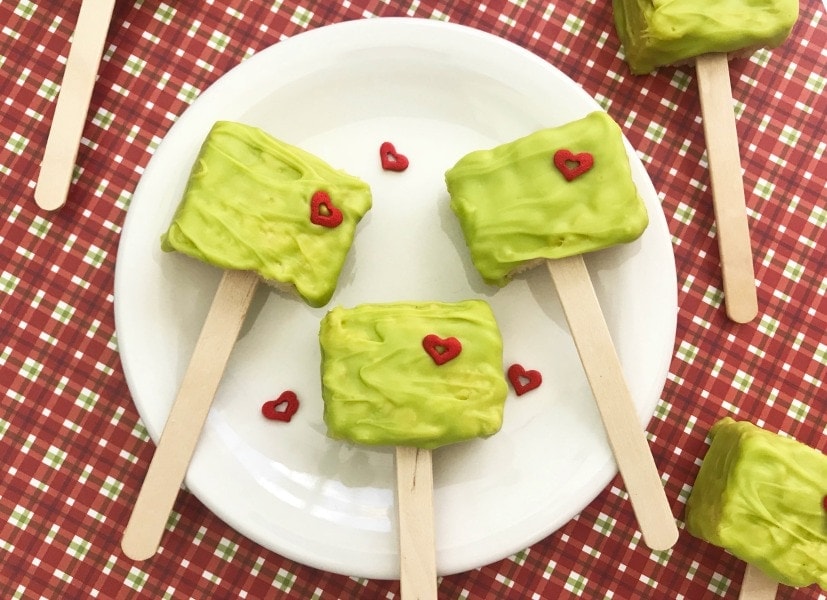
<point>74,449</point>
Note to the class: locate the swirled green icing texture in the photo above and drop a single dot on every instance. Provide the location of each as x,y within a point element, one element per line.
<point>381,387</point>
<point>247,207</point>
<point>665,32</point>
<point>760,496</point>
<point>515,206</point>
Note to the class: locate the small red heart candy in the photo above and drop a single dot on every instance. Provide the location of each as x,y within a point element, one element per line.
<point>572,165</point>
<point>441,350</point>
<point>524,380</point>
<point>273,411</point>
<point>391,159</point>
<point>323,212</point>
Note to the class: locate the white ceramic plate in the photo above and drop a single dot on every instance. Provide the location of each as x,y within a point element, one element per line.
<point>437,91</point>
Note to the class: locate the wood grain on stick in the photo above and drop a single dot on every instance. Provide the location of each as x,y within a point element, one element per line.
<point>73,103</point>
<point>415,506</point>
<point>614,401</point>
<point>756,585</point>
<point>188,414</point>
<point>728,197</point>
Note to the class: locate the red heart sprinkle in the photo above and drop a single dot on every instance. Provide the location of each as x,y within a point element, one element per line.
<point>441,350</point>
<point>523,380</point>
<point>572,165</point>
<point>824,502</point>
<point>323,212</point>
<point>391,159</point>
<point>271,409</point>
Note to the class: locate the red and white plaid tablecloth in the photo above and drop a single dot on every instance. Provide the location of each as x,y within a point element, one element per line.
<point>75,452</point>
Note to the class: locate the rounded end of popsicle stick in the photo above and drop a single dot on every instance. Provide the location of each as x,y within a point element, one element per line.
<point>49,197</point>
<point>663,537</point>
<point>742,311</point>
<point>143,532</point>
<point>138,544</point>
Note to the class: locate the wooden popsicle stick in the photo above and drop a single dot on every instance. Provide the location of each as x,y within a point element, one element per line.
<point>189,411</point>
<point>728,198</point>
<point>614,401</point>
<point>73,103</point>
<point>757,585</point>
<point>415,505</point>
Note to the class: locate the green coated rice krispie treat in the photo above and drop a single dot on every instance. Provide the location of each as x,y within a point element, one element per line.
<point>421,374</point>
<point>254,203</point>
<point>762,497</point>
<point>667,32</point>
<point>554,193</point>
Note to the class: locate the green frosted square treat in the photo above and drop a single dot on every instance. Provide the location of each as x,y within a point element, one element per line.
<point>554,193</point>
<point>421,374</point>
<point>656,33</point>
<point>761,496</point>
<point>255,203</point>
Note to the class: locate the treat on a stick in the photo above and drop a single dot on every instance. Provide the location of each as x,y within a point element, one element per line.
<point>762,497</point>
<point>549,197</point>
<point>263,210</point>
<point>415,375</point>
<point>254,203</point>
<point>656,34</point>
<point>667,33</point>
<point>72,104</point>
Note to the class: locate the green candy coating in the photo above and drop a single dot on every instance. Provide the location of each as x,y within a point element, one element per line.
<point>667,32</point>
<point>760,496</point>
<point>381,387</point>
<point>516,207</point>
<point>247,207</point>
